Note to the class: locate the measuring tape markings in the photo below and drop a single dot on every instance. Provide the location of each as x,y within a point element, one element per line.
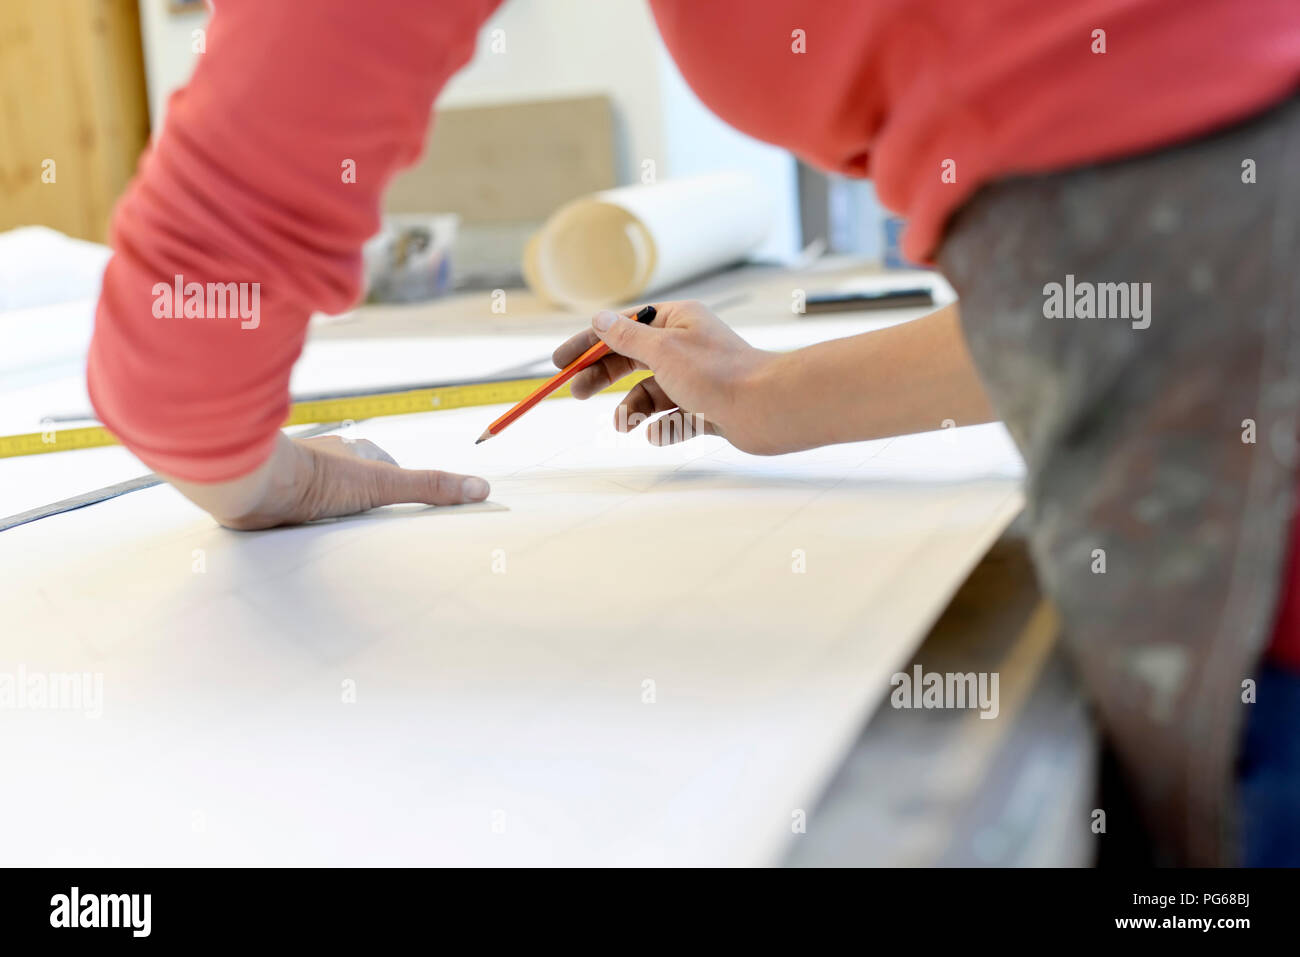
<point>354,408</point>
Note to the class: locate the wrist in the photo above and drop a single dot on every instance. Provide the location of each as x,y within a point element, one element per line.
<point>778,400</point>
<point>233,500</point>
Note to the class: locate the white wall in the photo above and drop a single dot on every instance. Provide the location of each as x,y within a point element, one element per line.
<point>696,141</point>
<point>168,51</point>
<point>571,47</point>
<point>562,48</point>
<point>557,48</point>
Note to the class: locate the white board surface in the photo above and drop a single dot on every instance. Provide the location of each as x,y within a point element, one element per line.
<point>499,653</point>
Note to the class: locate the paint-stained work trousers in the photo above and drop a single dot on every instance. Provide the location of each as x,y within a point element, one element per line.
<point>1162,461</point>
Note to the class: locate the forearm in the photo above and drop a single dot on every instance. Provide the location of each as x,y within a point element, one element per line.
<point>912,377</point>
<point>250,212</point>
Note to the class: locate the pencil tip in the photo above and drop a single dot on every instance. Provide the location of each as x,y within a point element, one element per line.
<point>483,438</point>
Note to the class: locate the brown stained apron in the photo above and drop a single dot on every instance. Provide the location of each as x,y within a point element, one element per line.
<point>1135,442</point>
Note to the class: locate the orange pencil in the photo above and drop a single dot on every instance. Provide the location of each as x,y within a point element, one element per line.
<point>591,356</point>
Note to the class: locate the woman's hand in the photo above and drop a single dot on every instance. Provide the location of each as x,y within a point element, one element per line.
<point>911,377</point>
<point>706,378</point>
<point>323,477</point>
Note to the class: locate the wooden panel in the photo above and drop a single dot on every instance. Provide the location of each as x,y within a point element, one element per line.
<point>72,90</point>
<point>511,163</point>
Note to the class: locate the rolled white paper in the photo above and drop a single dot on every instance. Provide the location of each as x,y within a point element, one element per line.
<point>621,244</point>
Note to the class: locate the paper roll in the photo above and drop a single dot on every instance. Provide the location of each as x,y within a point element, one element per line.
<point>620,244</point>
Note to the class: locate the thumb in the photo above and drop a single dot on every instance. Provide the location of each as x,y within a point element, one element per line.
<point>628,337</point>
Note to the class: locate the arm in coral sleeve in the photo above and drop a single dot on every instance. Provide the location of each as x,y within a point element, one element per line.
<point>250,183</point>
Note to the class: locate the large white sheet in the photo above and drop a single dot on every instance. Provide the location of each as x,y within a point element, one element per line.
<point>499,653</point>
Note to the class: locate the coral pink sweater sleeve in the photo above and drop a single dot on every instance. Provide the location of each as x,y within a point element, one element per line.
<point>248,183</point>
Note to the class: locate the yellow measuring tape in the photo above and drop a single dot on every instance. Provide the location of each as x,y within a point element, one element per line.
<point>354,408</point>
